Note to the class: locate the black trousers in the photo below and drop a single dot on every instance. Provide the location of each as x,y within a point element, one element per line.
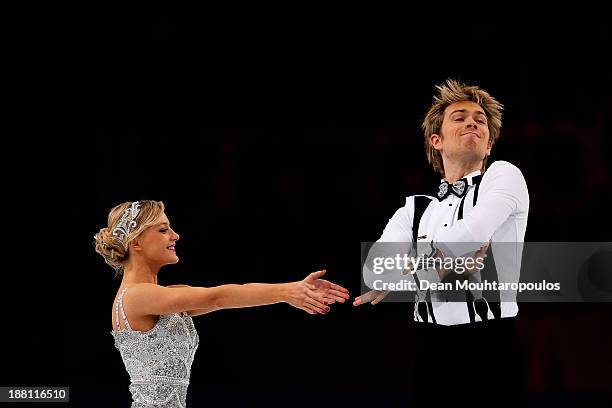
<point>476,364</point>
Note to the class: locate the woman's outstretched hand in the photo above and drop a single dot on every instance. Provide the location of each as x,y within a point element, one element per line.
<point>313,294</point>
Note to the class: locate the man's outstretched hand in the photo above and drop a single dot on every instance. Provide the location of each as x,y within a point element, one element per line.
<point>373,297</point>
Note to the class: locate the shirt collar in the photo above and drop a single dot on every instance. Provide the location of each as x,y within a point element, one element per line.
<point>469,177</point>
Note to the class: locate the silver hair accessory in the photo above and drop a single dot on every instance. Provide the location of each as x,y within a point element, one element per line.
<point>127,223</point>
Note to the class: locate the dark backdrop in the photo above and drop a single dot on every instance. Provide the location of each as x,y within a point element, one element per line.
<point>279,147</point>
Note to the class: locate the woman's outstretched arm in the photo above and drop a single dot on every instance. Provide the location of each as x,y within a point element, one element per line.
<point>312,294</point>
<point>194,312</point>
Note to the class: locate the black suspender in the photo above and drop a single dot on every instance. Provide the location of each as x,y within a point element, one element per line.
<point>475,180</point>
<point>475,195</point>
<point>460,213</point>
<point>469,297</point>
<point>488,273</point>
<point>420,205</point>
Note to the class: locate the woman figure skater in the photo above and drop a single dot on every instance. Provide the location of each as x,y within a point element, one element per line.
<point>152,325</point>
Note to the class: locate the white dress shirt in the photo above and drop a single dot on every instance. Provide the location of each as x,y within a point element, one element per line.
<point>500,215</point>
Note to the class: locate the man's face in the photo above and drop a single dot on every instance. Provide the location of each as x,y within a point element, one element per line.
<point>465,133</point>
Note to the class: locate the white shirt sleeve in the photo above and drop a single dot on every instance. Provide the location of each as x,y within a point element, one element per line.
<point>503,194</point>
<point>399,229</point>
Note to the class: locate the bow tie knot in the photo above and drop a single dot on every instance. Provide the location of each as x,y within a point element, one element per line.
<point>458,188</point>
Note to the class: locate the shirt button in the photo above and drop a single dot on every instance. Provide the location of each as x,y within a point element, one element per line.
<point>445,225</point>
<point>449,204</point>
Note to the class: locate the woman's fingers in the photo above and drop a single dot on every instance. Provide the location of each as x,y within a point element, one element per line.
<point>315,275</point>
<point>315,279</point>
<point>316,305</point>
<point>307,310</point>
<point>338,298</point>
<point>335,298</point>
<point>335,286</point>
<point>319,301</point>
<point>329,294</point>
<point>328,300</point>
<point>338,293</point>
<point>327,288</point>
<point>316,294</point>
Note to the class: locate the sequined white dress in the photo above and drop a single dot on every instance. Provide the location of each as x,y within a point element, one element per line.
<point>158,361</point>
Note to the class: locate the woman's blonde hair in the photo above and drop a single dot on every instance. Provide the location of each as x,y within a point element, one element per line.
<point>113,249</point>
<point>454,91</point>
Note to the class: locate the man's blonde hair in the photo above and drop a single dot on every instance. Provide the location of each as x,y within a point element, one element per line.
<point>454,91</point>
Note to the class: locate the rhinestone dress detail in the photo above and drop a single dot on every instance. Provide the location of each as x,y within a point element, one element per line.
<point>158,361</point>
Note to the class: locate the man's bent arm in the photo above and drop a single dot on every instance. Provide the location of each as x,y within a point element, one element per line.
<point>502,193</point>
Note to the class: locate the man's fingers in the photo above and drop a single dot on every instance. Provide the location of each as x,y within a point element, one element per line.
<point>365,298</point>
<point>380,297</point>
<point>482,252</point>
<point>374,296</point>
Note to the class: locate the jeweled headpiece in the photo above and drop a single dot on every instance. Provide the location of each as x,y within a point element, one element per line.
<point>127,222</point>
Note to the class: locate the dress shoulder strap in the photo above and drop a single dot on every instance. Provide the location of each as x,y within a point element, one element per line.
<point>117,306</point>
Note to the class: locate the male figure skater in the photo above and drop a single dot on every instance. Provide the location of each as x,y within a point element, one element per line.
<point>467,349</point>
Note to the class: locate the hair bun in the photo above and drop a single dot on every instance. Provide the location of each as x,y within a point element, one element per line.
<point>110,248</point>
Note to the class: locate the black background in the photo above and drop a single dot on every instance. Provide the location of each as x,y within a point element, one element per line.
<point>278,145</point>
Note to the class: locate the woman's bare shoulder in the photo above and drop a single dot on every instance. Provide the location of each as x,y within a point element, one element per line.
<point>143,291</point>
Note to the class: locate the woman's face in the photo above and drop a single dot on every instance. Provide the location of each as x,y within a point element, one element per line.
<point>157,243</point>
